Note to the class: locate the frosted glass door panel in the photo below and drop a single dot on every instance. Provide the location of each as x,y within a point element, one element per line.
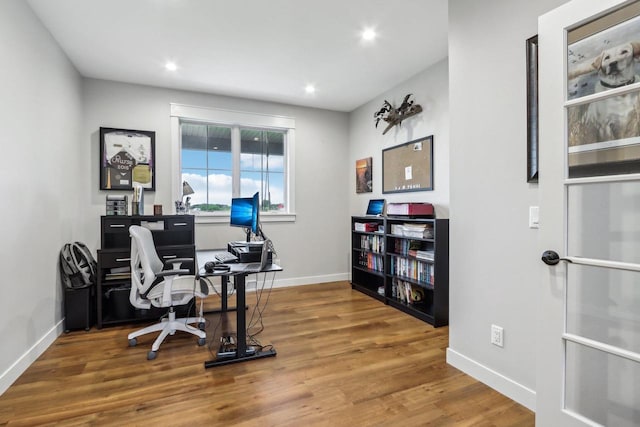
<point>608,226</point>
<point>602,387</point>
<point>604,305</point>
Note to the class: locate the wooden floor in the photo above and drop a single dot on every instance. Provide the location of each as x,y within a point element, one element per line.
<point>343,359</point>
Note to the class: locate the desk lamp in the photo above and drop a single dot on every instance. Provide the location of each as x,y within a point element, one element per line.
<point>186,191</point>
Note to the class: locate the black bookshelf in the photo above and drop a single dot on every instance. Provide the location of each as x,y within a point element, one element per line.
<point>403,262</point>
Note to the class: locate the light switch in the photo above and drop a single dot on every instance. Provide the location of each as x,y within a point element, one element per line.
<point>534,216</point>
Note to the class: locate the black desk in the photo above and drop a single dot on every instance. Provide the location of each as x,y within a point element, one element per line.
<point>239,277</point>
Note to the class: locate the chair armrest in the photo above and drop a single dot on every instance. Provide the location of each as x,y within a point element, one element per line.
<point>174,272</point>
<point>168,276</point>
<point>175,263</point>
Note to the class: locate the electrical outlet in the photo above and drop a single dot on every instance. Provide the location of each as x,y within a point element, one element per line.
<point>497,336</point>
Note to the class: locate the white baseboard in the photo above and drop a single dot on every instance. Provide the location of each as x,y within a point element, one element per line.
<point>19,366</point>
<point>513,390</point>
<point>298,281</point>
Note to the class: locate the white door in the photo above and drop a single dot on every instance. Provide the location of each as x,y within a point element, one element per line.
<point>588,365</point>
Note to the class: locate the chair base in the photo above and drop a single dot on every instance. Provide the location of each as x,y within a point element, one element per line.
<point>168,327</point>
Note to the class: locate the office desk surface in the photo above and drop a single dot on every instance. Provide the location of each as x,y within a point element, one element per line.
<point>204,256</point>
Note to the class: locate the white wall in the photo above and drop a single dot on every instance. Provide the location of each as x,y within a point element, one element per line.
<point>493,254</point>
<point>313,249</point>
<point>40,117</point>
<point>430,90</point>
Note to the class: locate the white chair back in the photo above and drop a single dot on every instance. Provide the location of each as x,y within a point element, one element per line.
<point>145,264</point>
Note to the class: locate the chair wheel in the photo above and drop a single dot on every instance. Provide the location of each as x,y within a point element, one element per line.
<point>151,355</point>
<point>201,341</point>
<point>201,326</point>
<point>133,342</point>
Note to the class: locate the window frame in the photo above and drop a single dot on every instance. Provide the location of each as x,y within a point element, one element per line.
<point>235,120</point>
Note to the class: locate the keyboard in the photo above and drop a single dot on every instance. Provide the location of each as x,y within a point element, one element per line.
<point>225,257</point>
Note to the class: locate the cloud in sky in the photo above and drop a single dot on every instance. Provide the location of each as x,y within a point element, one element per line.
<point>252,162</point>
<point>220,188</point>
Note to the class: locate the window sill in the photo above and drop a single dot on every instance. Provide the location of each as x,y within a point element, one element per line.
<point>203,218</point>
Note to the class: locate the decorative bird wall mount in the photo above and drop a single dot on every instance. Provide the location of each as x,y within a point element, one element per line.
<point>395,116</point>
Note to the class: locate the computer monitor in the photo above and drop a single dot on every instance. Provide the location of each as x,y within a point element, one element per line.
<point>245,212</point>
<point>255,214</point>
<point>376,207</point>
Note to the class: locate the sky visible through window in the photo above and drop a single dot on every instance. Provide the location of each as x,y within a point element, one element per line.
<point>219,177</point>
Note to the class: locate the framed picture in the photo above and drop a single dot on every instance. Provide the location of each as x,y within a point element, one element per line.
<point>408,166</point>
<point>532,109</point>
<point>127,159</point>
<point>364,176</point>
<point>603,129</point>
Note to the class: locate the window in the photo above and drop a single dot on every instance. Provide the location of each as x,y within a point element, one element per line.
<point>221,160</point>
<point>207,165</point>
<point>262,167</point>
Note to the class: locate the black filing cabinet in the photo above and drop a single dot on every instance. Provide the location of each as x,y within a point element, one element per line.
<point>173,236</point>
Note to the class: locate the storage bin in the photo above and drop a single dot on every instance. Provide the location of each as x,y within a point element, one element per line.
<point>79,308</point>
<point>118,303</point>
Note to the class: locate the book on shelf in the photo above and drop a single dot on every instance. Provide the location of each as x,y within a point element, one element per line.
<point>372,243</point>
<point>415,230</point>
<point>407,292</point>
<point>371,261</point>
<point>370,227</point>
<point>425,255</point>
<point>413,269</point>
<point>117,276</point>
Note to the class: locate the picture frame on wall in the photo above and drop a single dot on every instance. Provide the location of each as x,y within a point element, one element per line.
<point>408,166</point>
<point>603,95</point>
<point>127,159</point>
<point>364,176</point>
<point>532,109</point>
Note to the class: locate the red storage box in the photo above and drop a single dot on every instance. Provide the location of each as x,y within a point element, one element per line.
<point>416,210</point>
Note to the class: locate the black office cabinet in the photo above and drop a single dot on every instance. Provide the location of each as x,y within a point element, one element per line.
<point>403,262</point>
<point>173,236</point>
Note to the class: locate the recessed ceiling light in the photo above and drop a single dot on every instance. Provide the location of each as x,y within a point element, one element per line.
<point>310,89</point>
<point>369,34</point>
<point>171,66</point>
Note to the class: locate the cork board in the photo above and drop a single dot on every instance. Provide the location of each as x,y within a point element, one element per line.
<point>408,167</point>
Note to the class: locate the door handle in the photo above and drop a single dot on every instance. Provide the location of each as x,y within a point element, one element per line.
<point>550,257</point>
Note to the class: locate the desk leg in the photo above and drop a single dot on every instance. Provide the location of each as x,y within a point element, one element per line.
<point>241,324</point>
<point>241,333</point>
<point>224,282</point>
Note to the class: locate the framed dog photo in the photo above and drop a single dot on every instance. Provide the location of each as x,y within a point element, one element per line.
<point>127,159</point>
<point>603,61</point>
<point>408,166</point>
<point>603,54</point>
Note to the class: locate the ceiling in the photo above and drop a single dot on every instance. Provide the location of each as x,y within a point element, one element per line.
<point>258,49</point>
